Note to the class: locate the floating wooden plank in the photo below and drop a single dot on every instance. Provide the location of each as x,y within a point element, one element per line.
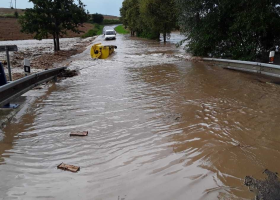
<point>81,134</point>
<point>70,168</point>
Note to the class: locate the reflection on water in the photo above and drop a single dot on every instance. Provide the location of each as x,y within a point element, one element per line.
<point>159,128</point>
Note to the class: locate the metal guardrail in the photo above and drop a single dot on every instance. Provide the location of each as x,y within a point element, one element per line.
<point>255,67</point>
<point>16,88</point>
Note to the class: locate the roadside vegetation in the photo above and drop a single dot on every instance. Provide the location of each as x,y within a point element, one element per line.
<point>98,22</point>
<point>15,15</point>
<point>149,18</point>
<point>121,30</point>
<point>96,18</point>
<point>96,30</point>
<point>7,16</point>
<point>111,22</point>
<point>244,30</point>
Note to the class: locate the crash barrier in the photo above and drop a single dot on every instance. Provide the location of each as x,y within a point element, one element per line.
<point>16,88</point>
<point>3,79</point>
<point>254,67</point>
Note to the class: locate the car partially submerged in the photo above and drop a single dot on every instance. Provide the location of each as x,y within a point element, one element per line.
<point>110,34</point>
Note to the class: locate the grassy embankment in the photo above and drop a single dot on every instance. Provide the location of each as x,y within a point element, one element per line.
<point>121,30</point>
<point>96,30</point>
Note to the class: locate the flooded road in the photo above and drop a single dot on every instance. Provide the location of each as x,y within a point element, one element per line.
<point>160,128</point>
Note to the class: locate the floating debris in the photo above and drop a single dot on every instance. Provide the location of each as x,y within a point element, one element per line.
<point>70,168</point>
<point>81,134</point>
<point>268,189</point>
<point>68,73</point>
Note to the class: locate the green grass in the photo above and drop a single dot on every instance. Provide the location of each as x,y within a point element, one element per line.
<point>96,30</point>
<point>121,30</point>
<point>7,16</point>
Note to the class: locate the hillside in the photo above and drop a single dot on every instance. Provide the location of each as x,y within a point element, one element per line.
<point>10,30</point>
<point>7,11</point>
<point>111,17</point>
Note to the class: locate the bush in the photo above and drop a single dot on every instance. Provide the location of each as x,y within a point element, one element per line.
<point>243,30</point>
<point>148,35</point>
<point>97,18</point>
<point>96,30</point>
<point>16,14</point>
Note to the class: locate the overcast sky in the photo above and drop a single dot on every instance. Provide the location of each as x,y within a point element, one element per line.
<point>109,7</point>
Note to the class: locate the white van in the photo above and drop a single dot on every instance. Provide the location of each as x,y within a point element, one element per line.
<point>110,34</point>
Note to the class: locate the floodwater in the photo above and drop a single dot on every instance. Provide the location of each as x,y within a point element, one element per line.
<point>160,128</point>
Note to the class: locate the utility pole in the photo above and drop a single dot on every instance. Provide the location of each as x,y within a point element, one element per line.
<point>11,3</point>
<point>15,4</point>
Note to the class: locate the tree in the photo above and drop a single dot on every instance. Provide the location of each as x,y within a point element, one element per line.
<point>130,16</point>
<point>53,17</point>
<point>160,15</point>
<point>239,29</point>
<point>97,18</point>
<point>149,18</point>
<point>16,14</point>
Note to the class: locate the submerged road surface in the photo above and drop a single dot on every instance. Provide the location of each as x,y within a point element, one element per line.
<point>160,128</point>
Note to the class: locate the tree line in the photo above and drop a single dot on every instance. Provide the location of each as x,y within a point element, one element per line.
<point>149,18</point>
<point>239,29</point>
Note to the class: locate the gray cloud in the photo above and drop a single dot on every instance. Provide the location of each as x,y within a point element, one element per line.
<point>110,7</point>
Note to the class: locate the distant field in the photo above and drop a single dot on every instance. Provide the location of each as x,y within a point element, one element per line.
<point>8,11</point>
<point>111,17</point>
<point>10,30</point>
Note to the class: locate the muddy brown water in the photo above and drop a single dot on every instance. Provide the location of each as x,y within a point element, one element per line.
<point>160,128</point>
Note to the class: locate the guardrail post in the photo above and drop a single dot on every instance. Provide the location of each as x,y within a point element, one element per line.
<point>3,80</point>
<point>8,61</point>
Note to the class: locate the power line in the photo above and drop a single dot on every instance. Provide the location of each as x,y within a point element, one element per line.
<point>11,4</point>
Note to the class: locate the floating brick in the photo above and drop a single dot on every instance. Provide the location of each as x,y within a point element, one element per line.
<point>70,168</point>
<point>81,134</point>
